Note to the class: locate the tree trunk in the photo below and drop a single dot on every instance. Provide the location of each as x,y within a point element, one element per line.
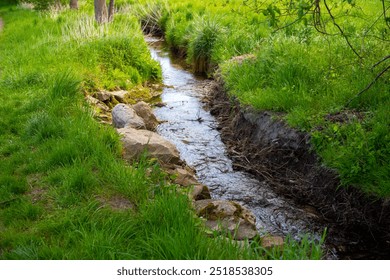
<point>101,14</point>
<point>111,10</point>
<point>74,4</point>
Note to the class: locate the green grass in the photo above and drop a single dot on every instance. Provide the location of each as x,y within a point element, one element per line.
<point>61,172</point>
<point>301,72</point>
<point>201,43</point>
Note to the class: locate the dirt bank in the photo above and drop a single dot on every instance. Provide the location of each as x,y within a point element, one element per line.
<point>262,144</point>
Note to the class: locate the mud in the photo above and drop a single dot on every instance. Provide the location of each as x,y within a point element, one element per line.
<point>263,145</point>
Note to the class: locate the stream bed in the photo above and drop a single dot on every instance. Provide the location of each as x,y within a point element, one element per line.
<point>194,132</point>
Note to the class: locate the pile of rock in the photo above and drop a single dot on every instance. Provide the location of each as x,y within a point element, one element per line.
<point>104,101</point>
<point>139,136</point>
<point>137,126</point>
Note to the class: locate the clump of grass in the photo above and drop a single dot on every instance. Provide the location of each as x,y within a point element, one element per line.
<point>115,60</point>
<point>64,85</point>
<point>83,29</point>
<point>359,151</point>
<point>41,126</point>
<point>150,15</point>
<point>177,29</point>
<point>307,247</point>
<point>201,43</point>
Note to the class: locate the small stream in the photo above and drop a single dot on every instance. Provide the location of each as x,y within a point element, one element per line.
<point>194,132</point>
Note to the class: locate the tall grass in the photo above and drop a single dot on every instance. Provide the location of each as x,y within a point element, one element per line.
<point>150,15</point>
<point>201,43</point>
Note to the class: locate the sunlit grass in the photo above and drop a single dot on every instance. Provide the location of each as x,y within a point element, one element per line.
<point>60,169</point>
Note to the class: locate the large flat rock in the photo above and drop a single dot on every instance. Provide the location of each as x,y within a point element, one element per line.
<point>137,141</point>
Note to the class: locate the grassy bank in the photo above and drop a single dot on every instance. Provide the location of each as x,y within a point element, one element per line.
<point>314,79</point>
<point>65,192</point>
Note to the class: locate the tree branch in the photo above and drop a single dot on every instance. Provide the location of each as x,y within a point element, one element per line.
<point>384,14</point>
<point>291,23</point>
<point>368,86</point>
<point>380,61</point>
<point>341,30</point>
<point>317,17</point>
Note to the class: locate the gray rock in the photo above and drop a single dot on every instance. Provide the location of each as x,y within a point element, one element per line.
<point>227,216</point>
<point>200,192</point>
<point>125,116</point>
<point>144,110</point>
<point>136,142</point>
<point>120,95</point>
<point>98,104</point>
<point>103,96</point>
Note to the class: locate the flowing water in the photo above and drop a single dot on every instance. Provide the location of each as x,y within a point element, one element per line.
<point>194,132</point>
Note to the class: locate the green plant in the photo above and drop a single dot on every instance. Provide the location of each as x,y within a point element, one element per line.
<point>202,40</point>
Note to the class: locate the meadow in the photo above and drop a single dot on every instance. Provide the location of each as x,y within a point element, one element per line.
<point>62,177</point>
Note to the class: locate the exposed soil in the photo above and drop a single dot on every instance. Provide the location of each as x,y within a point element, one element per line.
<point>1,24</point>
<point>262,144</point>
<point>116,202</point>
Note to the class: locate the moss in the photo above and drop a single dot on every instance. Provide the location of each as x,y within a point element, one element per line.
<point>138,94</point>
<point>208,212</point>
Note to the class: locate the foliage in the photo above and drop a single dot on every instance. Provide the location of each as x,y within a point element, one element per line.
<point>8,2</point>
